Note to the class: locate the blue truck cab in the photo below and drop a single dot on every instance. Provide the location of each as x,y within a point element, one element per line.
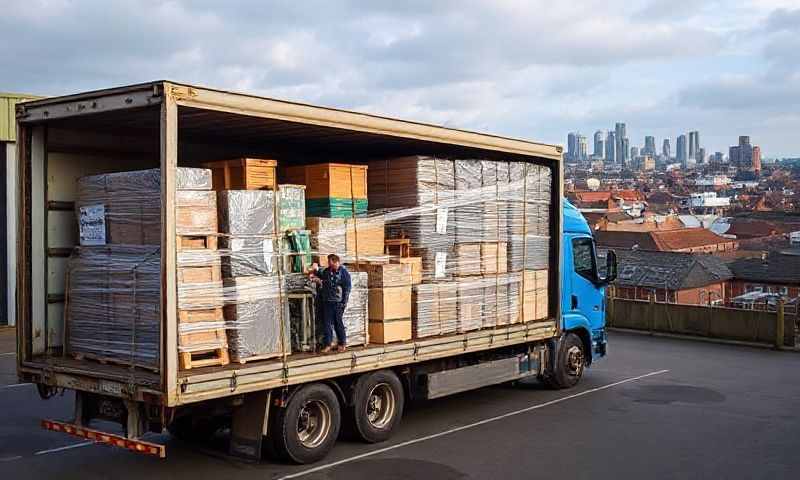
<point>583,301</point>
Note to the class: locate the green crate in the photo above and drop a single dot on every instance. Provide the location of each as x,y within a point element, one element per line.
<point>331,207</point>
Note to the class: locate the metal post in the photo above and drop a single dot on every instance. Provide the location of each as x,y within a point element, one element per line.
<point>779,326</point>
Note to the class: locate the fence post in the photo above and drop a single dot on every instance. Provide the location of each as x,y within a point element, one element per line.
<point>652,312</point>
<point>779,326</point>
<point>610,309</point>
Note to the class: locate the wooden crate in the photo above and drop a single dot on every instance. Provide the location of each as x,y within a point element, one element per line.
<point>386,274</point>
<point>389,303</point>
<point>195,212</point>
<point>416,267</point>
<point>389,331</point>
<point>205,315</point>
<point>337,180</point>
<point>244,174</point>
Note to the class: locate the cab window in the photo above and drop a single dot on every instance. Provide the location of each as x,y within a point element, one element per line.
<point>583,258</point>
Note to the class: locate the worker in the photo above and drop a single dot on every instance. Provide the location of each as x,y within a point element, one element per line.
<point>336,285</point>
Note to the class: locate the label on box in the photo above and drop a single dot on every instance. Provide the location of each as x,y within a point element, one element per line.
<point>440,264</point>
<point>92,225</point>
<point>441,220</point>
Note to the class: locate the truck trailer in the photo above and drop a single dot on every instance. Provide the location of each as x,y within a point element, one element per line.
<point>295,403</point>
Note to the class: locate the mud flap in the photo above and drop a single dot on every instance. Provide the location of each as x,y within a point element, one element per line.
<point>249,426</point>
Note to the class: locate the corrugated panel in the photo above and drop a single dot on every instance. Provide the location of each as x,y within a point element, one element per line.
<point>8,103</point>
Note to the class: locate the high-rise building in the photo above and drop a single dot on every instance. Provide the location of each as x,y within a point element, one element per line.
<point>644,163</point>
<point>694,144</point>
<point>572,146</point>
<point>611,147</point>
<point>680,150</point>
<point>582,147</point>
<point>701,155</point>
<point>599,145</point>
<point>649,146</point>
<point>665,150</point>
<point>625,152</point>
<point>634,152</point>
<point>620,135</point>
<point>757,158</point>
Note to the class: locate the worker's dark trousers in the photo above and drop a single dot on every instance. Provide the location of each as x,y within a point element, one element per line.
<point>333,321</point>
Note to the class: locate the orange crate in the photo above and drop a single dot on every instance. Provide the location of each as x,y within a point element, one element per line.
<point>323,180</point>
<point>243,174</point>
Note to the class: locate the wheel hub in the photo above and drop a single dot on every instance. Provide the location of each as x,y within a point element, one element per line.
<point>381,405</point>
<point>313,423</point>
<point>575,360</point>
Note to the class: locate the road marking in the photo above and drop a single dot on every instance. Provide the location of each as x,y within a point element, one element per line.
<point>13,385</point>
<point>5,354</point>
<point>67,447</point>
<point>465,427</point>
<point>10,459</point>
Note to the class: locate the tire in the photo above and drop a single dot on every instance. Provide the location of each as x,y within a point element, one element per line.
<point>306,429</point>
<point>570,364</point>
<point>378,401</point>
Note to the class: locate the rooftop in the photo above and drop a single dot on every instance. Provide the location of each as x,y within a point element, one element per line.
<point>673,270</point>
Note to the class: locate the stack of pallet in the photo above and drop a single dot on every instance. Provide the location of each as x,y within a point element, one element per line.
<point>389,302</point>
<point>333,190</point>
<point>201,328</point>
<point>354,239</point>
<point>251,259</point>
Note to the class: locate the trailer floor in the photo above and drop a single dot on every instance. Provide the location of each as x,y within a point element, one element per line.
<point>719,411</point>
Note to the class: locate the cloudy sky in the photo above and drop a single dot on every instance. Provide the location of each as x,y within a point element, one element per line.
<point>531,69</point>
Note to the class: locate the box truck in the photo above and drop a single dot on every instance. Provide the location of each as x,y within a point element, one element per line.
<point>530,305</point>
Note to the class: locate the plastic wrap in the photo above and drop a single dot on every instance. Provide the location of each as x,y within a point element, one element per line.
<point>254,317</point>
<point>291,207</point>
<point>247,212</point>
<point>192,178</point>
<point>113,308</point>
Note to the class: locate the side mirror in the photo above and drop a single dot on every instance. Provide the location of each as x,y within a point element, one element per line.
<point>611,267</point>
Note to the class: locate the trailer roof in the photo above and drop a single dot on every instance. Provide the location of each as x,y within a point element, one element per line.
<point>235,103</point>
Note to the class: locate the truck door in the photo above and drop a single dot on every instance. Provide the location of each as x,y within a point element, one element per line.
<point>587,296</point>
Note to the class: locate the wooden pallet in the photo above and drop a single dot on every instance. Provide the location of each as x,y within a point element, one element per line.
<point>111,361</point>
<point>204,358</point>
<point>266,356</point>
<point>217,355</point>
<point>196,242</point>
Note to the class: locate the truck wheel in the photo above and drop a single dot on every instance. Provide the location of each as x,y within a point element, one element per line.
<point>306,429</point>
<point>570,363</point>
<point>377,406</point>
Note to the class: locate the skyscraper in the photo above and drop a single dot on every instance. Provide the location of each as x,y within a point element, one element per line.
<point>649,145</point>
<point>611,147</point>
<point>665,150</point>
<point>572,146</point>
<point>599,144</point>
<point>634,152</point>
<point>582,147</point>
<point>621,150</point>
<point>756,158</point>
<point>680,150</point>
<point>626,152</point>
<point>701,155</point>
<point>742,156</point>
<point>694,144</point>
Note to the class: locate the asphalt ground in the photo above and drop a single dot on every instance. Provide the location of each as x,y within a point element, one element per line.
<point>655,408</point>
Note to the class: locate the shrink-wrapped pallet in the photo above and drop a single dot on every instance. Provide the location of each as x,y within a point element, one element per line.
<point>113,305</point>
<point>254,318</point>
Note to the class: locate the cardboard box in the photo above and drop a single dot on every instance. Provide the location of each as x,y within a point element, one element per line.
<point>416,267</point>
<point>387,274</point>
<point>389,303</point>
<point>494,258</point>
<point>244,174</point>
<point>389,331</point>
<point>468,259</point>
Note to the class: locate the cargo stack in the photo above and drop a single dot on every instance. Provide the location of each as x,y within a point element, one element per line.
<point>333,190</point>
<point>294,238</point>
<point>389,302</point>
<point>201,327</point>
<point>478,225</point>
<point>253,309</point>
<point>355,240</point>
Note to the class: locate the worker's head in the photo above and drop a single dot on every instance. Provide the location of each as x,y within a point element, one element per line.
<point>333,261</point>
